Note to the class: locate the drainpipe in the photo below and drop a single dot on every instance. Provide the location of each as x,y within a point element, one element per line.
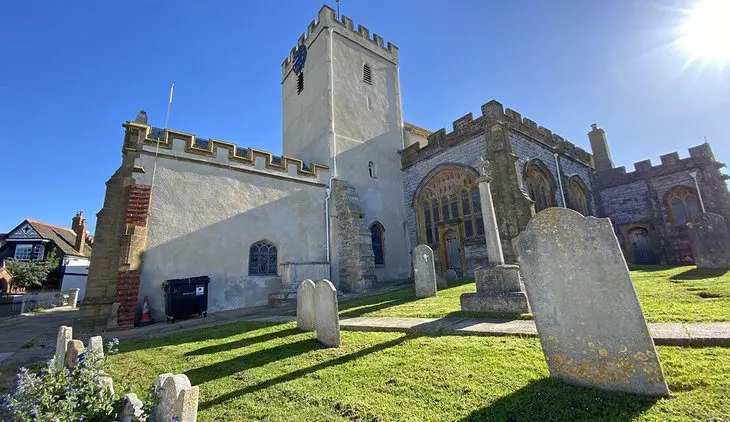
<point>560,178</point>
<point>334,156</point>
<point>693,175</point>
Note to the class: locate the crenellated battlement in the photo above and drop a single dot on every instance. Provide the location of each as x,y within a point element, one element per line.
<point>149,138</point>
<point>670,163</point>
<point>467,127</point>
<point>326,18</point>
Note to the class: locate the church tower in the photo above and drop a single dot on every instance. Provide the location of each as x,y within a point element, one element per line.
<point>341,104</point>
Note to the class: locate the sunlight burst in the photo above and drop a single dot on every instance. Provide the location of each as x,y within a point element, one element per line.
<point>704,33</point>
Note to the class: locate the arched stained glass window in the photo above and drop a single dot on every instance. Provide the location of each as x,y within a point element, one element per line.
<point>262,259</point>
<point>578,196</point>
<point>683,205</point>
<point>539,186</point>
<point>449,196</point>
<point>376,237</point>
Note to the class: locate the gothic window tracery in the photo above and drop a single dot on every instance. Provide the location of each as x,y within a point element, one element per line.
<point>262,259</point>
<point>578,196</point>
<point>683,205</point>
<point>539,186</point>
<point>448,196</point>
<point>376,238</point>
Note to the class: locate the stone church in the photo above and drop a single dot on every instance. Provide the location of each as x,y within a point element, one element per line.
<point>357,188</point>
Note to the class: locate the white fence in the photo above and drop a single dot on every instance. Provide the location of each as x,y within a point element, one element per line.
<point>49,299</point>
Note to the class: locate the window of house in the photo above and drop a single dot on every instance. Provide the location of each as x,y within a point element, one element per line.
<point>23,252</point>
<point>262,259</point>
<point>39,251</point>
<point>371,169</point>
<point>376,237</point>
<point>450,196</point>
<point>578,196</point>
<point>683,205</point>
<point>367,74</point>
<point>539,186</point>
<point>300,83</point>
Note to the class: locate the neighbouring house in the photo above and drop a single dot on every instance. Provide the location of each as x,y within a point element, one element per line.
<point>33,239</point>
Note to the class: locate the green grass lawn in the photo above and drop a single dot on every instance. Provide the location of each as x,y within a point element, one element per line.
<point>254,371</point>
<point>667,294</point>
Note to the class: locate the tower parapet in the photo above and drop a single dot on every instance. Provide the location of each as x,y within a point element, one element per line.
<point>327,18</point>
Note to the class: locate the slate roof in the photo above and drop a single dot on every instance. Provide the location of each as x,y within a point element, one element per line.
<point>64,238</point>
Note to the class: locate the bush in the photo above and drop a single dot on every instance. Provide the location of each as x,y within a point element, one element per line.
<point>34,272</point>
<point>74,394</point>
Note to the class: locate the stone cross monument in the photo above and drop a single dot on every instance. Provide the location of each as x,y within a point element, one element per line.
<point>499,287</point>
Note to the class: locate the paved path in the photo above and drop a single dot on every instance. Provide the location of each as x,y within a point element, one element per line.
<point>663,333</point>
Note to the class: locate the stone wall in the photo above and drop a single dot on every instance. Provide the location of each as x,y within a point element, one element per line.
<point>355,253</point>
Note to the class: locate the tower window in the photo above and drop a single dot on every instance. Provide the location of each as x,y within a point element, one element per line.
<point>376,237</point>
<point>371,169</point>
<point>367,74</point>
<point>300,83</point>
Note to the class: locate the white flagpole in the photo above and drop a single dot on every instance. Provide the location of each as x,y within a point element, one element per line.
<point>167,121</point>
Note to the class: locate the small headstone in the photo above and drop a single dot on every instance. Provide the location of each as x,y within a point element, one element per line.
<point>178,400</point>
<point>499,290</point>
<point>107,386</point>
<point>96,347</point>
<point>133,408</point>
<point>450,275</point>
<point>588,317</point>
<point>710,241</point>
<point>74,349</point>
<point>424,271</point>
<point>326,320</point>
<point>441,282</point>
<point>305,305</point>
<point>73,297</point>
<point>65,334</point>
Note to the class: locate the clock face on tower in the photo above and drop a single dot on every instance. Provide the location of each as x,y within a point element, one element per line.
<point>299,58</point>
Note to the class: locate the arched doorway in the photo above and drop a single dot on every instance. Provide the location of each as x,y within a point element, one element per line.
<point>453,251</point>
<point>640,246</point>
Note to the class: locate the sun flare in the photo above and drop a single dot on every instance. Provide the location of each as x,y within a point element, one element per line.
<point>704,33</point>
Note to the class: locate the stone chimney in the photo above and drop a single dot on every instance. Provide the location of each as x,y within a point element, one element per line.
<point>599,146</point>
<point>78,225</point>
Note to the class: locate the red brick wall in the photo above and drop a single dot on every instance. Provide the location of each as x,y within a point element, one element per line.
<point>126,295</point>
<point>139,205</point>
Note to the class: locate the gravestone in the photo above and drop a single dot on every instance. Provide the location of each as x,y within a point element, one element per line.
<point>96,347</point>
<point>588,317</point>
<point>441,282</point>
<point>499,290</point>
<point>424,271</point>
<point>65,334</point>
<point>178,400</point>
<point>133,408</point>
<point>305,305</point>
<point>710,241</point>
<point>74,349</point>
<point>326,320</point>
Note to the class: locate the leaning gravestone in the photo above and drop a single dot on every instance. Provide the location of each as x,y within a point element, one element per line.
<point>424,271</point>
<point>65,334</point>
<point>588,317</point>
<point>178,400</point>
<point>710,241</point>
<point>96,347</point>
<point>326,320</point>
<point>74,349</point>
<point>305,305</point>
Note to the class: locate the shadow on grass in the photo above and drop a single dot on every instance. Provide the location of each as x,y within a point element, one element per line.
<point>266,356</point>
<point>549,399</point>
<point>248,341</point>
<point>361,306</point>
<point>650,268</point>
<point>194,335</point>
<point>699,274</point>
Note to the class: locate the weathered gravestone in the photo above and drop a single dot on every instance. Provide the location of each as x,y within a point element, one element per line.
<point>96,347</point>
<point>133,409</point>
<point>65,334</point>
<point>178,400</point>
<point>74,349</point>
<point>305,305</point>
<point>588,317</point>
<point>326,320</point>
<point>424,271</point>
<point>710,241</point>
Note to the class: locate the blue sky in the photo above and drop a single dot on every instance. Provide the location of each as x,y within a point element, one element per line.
<point>73,72</point>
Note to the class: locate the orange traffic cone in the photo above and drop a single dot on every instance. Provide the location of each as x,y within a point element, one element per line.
<point>146,318</point>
